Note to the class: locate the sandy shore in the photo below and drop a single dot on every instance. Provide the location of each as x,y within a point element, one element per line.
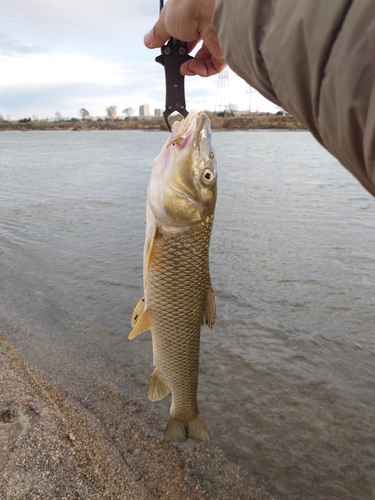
<point>52,447</point>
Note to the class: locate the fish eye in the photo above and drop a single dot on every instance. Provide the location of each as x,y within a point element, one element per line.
<point>208,176</point>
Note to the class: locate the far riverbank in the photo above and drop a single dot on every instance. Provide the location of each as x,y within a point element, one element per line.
<point>248,122</point>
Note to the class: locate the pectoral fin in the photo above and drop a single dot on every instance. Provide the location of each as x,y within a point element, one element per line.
<point>148,257</point>
<point>138,311</point>
<point>210,309</point>
<point>157,387</point>
<point>142,324</point>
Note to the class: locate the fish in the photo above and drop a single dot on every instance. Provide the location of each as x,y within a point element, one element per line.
<point>178,294</point>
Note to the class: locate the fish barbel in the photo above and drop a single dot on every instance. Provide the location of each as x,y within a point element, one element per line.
<point>178,295</point>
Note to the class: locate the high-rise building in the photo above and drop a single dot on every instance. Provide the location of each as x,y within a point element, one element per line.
<point>157,112</point>
<point>144,110</point>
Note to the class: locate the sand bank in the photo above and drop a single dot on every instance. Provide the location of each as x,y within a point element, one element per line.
<point>51,447</point>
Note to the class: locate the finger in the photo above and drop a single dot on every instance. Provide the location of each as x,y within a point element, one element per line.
<point>210,49</point>
<point>157,36</point>
<point>206,68</point>
<point>204,63</point>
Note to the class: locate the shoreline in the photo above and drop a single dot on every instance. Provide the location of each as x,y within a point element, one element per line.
<point>249,122</point>
<point>53,446</point>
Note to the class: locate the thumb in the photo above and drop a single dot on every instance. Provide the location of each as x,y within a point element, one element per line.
<point>156,36</point>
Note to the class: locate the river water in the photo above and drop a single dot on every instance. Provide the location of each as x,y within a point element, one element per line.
<point>287,381</point>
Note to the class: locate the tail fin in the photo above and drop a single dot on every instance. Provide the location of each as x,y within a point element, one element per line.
<point>177,430</point>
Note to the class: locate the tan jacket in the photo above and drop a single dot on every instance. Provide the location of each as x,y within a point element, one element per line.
<point>316,59</point>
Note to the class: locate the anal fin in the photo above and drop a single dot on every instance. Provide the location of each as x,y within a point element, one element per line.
<point>157,387</point>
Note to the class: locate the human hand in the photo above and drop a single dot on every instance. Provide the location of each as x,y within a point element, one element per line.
<point>190,21</point>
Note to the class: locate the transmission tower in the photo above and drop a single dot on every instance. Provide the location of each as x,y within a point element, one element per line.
<point>222,95</point>
<point>250,105</point>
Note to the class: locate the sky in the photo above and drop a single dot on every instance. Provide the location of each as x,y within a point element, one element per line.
<point>64,55</point>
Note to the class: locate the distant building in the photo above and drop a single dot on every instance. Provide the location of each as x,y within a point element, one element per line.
<point>157,112</point>
<point>144,110</point>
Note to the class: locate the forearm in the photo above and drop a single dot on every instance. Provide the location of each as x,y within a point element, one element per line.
<point>315,59</point>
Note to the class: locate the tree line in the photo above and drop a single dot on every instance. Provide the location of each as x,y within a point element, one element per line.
<point>111,112</point>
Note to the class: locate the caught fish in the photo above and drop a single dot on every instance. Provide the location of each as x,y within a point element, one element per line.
<point>178,295</point>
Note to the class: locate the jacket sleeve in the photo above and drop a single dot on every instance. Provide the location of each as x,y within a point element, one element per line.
<point>316,59</point>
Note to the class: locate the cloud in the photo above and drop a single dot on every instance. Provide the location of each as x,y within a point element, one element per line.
<point>65,98</point>
<point>30,71</point>
<point>10,46</point>
<point>48,47</point>
<point>115,15</point>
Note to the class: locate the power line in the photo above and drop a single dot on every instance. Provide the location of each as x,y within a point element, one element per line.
<point>250,105</point>
<point>62,23</point>
<point>53,32</point>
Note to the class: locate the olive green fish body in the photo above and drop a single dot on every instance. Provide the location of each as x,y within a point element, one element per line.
<point>178,296</point>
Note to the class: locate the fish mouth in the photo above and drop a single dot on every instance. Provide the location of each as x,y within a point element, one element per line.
<point>193,126</point>
<point>186,122</point>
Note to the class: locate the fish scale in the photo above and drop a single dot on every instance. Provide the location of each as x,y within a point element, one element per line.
<point>177,285</point>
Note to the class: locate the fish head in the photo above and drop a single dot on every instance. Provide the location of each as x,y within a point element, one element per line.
<point>182,189</point>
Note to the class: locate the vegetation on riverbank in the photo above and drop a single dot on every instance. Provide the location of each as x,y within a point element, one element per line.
<point>244,122</point>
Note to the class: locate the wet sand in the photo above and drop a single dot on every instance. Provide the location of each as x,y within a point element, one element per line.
<point>54,447</point>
